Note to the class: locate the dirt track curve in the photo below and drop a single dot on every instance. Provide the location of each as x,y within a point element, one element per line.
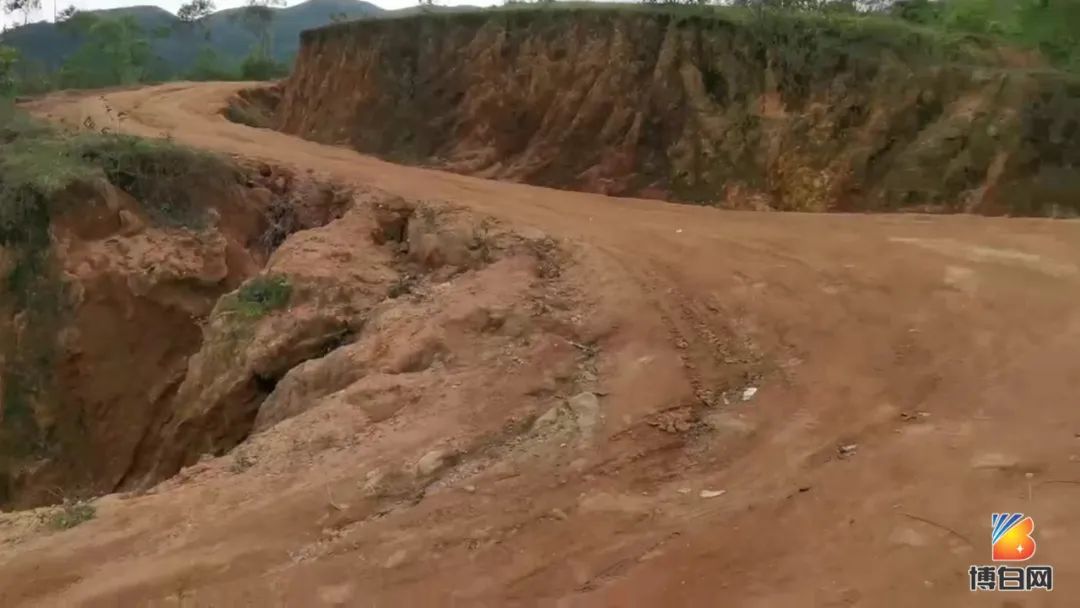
<point>916,374</point>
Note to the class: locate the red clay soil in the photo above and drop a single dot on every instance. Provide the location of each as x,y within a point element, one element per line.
<point>791,113</point>
<point>913,375</point>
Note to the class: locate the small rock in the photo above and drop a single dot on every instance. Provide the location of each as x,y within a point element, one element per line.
<point>847,450</point>
<point>432,462</point>
<point>749,393</point>
<point>711,493</point>
<point>994,460</point>
<point>586,408</point>
<point>129,222</point>
<point>396,559</point>
<point>336,595</point>
<point>684,490</point>
<point>804,488</point>
<point>729,422</point>
<point>470,489</point>
<point>559,514</point>
<point>546,419</point>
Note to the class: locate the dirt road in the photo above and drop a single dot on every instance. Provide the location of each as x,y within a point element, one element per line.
<point>865,390</point>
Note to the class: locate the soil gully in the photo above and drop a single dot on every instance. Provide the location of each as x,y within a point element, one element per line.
<point>135,293</point>
<point>303,329</point>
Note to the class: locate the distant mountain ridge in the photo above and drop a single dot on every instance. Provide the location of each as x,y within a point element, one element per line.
<point>49,45</point>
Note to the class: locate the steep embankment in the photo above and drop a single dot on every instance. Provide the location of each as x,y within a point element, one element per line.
<point>788,113</point>
<point>113,253</point>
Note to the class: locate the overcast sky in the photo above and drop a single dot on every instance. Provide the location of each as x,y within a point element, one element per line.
<point>46,11</point>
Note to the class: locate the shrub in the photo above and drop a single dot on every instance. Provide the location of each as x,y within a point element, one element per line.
<point>71,514</point>
<point>261,295</point>
<point>256,67</point>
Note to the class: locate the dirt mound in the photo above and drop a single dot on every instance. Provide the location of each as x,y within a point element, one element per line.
<point>781,112</point>
<point>254,107</point>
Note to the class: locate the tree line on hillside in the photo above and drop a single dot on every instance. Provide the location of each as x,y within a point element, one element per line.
<point>1050,26</point>
<point>117,50</point>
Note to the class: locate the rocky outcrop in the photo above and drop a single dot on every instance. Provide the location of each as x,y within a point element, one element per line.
<point>799,114</point>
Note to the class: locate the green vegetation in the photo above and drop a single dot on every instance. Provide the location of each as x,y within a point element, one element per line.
<point>255,41</point>
<point>1051,27</point>
<point>260,296</point>
<point>115,52</point>
<point>120,51</point>
<point>70,514</point>
<point>8,58</point>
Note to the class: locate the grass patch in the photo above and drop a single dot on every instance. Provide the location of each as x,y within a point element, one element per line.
<point>37,162</point>
<point>70,514</point>
<point>260,296</point>
<point>156,173</point>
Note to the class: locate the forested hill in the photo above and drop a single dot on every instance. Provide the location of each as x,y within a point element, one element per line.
<point>178,45</point>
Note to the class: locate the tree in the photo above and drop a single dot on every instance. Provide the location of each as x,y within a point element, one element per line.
<point>211,66</point>
<point>9,57</point>
<point>195,11</point>
<point>22,6</point>
<point>114,51</point>
<point>257,17</point>
<point>66,14</point>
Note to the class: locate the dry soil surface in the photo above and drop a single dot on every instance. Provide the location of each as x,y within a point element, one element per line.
<point>789,410</point>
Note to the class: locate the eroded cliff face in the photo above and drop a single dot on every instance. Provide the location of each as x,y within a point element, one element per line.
<point>98,324</point>
<point>794,114</point>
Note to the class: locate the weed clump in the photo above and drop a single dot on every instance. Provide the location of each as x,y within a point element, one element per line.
<point>156,173</point>
<point>71,514</point>
<point>262,295</point>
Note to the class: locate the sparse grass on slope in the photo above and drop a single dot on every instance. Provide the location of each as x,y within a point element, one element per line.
<point>70,514</point>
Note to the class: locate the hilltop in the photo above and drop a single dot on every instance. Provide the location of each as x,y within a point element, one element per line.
<point>47,45</point>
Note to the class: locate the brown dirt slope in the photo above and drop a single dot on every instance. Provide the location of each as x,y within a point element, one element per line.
<point>785,113</point>
<point>550,419</point>
<point>95,346</point>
